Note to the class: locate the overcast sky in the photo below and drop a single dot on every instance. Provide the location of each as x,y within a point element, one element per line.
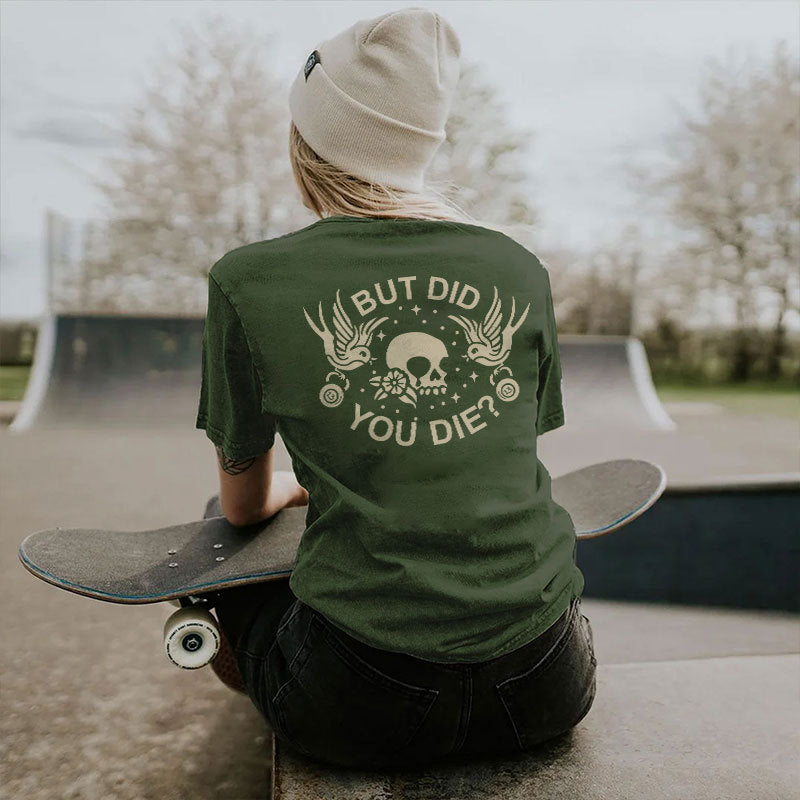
<point>597,82</point>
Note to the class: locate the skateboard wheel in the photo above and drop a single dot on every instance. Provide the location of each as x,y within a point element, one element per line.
<point>191,638</point>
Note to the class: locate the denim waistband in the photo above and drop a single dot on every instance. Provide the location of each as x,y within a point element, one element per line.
<point>388,658</point>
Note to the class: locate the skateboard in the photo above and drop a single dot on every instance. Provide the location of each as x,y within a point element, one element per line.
<point>194,561</point>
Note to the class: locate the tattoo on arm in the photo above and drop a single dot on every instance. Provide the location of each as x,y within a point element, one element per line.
<point>231,466</point>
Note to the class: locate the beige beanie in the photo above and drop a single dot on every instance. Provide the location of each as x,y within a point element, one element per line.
<point>373,100</point>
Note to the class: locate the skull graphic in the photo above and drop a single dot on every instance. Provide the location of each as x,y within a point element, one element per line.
<point>420,356</point>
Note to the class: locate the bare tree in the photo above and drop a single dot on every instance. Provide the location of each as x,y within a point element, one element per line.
<point>204,169</point>
<point>595,292</point>
<point>780,196</point>
<point>484,159</point>
<point>734,186</point>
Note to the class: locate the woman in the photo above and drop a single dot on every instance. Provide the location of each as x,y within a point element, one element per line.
<point>408,358</point>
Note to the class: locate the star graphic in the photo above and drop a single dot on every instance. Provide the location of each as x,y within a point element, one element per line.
<point>464,355</point>
<point>473,375</point>
<point>381,335</point>
<point>456,397</point>
<point>416,309</point>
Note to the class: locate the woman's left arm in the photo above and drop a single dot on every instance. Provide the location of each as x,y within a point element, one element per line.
<point>251,491</point>
<point>230,410</point>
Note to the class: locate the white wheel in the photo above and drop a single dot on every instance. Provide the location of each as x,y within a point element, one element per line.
<point>191,638</point>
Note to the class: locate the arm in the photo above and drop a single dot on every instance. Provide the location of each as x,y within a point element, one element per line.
<point>251,491</point>
<point>230,411</point>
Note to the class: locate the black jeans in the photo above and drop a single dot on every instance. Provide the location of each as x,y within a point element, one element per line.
<point>341,701</point>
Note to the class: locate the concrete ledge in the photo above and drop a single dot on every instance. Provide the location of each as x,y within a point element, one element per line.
<point>767,481</point>
<point>667,730</point>
<point>626,633</point>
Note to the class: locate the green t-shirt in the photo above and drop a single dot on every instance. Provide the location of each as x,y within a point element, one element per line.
<point>408,366</point>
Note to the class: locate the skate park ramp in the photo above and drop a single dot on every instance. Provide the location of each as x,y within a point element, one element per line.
<point>113,371</point>
<point>122,371</point>
<point>607,382</point>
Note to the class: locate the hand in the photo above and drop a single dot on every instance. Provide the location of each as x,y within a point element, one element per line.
<point>284,492</point>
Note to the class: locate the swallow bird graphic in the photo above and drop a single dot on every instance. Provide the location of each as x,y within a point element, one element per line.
<point>487,344</point>
<point>348,347</point>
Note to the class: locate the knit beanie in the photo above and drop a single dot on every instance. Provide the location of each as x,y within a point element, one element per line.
<point>373,100</point>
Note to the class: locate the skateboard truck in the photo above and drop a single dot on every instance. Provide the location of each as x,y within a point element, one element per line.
<point>191,634</point>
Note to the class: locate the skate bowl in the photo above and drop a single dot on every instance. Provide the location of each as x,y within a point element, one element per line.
<point>129,371</point>
<point>726,542</point>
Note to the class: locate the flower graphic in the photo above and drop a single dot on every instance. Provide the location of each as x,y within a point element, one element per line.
<point>394,382</point>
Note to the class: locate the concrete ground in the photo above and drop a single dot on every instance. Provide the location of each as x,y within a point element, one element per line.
<point>704,446</point>
<point>699,729</point>
<point>89,706</point>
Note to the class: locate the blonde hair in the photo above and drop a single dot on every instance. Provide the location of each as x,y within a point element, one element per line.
<point>329,191</point>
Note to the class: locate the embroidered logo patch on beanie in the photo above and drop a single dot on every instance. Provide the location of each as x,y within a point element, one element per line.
<point>311,62</point>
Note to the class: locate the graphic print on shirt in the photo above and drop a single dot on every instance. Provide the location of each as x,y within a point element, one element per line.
<point>426,376</point>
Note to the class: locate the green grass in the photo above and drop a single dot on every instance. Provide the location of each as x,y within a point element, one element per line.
<point>748,398</point>
<point>12,382</point>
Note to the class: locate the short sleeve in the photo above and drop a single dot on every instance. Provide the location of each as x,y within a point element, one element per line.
<point>230,392</point>
<point>550,407</point>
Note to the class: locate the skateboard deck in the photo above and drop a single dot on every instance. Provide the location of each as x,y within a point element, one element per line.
<point>210,555</point>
